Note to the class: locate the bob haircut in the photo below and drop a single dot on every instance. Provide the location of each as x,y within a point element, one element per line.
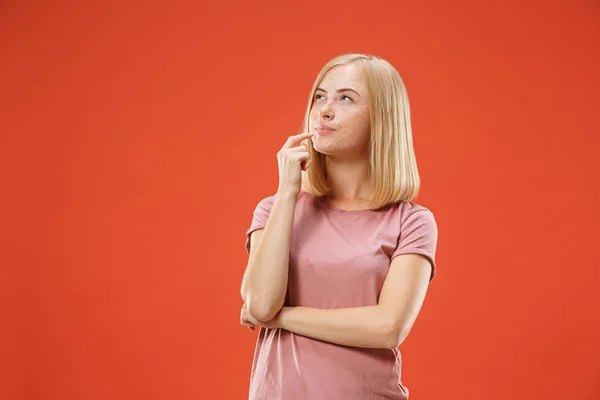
<point>394,170</point>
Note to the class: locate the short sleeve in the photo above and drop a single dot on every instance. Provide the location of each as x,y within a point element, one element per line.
<point>259,218</point>
<point>418,235</point>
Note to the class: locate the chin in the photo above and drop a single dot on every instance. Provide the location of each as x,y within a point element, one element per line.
<point>330,150</point>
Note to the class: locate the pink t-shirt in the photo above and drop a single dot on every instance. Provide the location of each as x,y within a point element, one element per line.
<point>338,259</point>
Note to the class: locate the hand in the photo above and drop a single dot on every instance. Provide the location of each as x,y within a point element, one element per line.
<point>248,320</point>
<point>292,159</point>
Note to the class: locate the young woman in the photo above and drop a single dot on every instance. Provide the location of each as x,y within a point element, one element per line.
<point>340,257</point>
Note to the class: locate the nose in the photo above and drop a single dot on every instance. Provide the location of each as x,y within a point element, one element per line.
<point>326,112</point>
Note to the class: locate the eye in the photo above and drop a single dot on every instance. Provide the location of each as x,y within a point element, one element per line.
<point>347,97</point>
<point>318,96</point>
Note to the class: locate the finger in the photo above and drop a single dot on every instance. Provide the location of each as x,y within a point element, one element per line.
<point>303,143</point>
<point>299,147</point>
<point>299,156</point>
<point>249,325</point>
<point>292,140</point>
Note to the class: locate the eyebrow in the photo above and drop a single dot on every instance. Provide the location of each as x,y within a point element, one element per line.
<point>339,90</point>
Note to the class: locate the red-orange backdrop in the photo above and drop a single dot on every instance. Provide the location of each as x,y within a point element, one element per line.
<point>137,138</point>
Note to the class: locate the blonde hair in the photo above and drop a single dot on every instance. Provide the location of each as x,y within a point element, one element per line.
<point>394,170</point>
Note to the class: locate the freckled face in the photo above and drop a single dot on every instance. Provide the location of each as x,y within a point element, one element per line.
<point>342,103</point>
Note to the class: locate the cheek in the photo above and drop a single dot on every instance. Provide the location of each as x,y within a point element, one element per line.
<point>366,123</point>
<point>312,119</point>
<point>361,122</point>
<point>365,117</point>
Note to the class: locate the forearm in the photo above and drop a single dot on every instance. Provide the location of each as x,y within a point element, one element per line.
<point>368,327</point>
<point>265,281</point>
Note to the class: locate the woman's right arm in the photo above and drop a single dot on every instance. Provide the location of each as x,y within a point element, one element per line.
<point>264,285</point>
<point>265,281</point>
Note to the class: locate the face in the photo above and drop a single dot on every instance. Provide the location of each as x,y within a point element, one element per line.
<point>340,113</point>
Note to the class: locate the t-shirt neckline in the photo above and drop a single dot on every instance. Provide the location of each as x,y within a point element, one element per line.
<point>343,211</point>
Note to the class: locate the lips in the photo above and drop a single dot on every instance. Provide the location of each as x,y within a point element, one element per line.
<point>325,130</point>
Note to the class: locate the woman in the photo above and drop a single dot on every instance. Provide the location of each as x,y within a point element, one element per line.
<point>340,257</point>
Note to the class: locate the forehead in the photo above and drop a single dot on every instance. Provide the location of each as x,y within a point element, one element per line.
<point>343,76</point>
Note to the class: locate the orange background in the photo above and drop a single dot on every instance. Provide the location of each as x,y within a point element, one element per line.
<point>137,139</point>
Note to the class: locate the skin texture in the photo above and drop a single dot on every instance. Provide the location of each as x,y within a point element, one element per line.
<point>269,249</point>
<point>347,161</point>
<point>385,325</point>
<point>388,323</point>
<point>347,112</point>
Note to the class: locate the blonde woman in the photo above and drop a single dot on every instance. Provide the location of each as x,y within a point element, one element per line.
<point>340,257</point>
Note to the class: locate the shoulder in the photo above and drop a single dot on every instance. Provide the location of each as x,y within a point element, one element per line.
<point>301,197</point>
<point>266,203</point>
<point>418,231</point>
<point>409,208</point>
<point>413,213</point>
<point>303,200</point>
<point>263,209</point>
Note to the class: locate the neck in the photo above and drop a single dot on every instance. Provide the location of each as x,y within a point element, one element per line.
<point>350,180</point>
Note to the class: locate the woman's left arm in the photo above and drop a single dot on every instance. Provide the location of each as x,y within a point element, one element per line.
<point>384,325</point>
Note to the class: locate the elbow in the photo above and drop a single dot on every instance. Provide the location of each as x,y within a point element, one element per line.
<point>263,312</point>
<point>393,337</point>
<point>391,341</point>
<point>261,308</point>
